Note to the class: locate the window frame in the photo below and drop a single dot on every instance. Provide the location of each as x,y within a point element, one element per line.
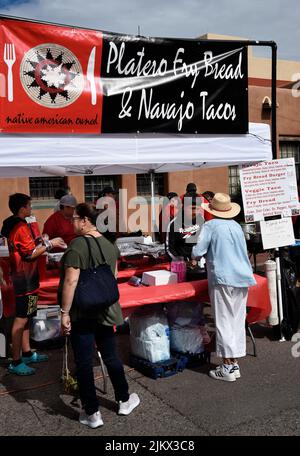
<point>143,184</point>
<point>293,152</point>
<point>46,192</point>
<point>91,195</point>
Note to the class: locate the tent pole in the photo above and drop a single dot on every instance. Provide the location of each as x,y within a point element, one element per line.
<point>274,154</point>
<point>153,218</point>
<point>274,102</point>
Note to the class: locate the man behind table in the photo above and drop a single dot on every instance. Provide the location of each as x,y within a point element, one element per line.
<point>60,223</point>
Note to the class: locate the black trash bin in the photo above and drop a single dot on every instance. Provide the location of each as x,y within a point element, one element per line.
<point>290,297</point>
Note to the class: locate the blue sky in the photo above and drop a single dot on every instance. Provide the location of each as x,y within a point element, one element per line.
<point>9,3</point>
<point>276,20</point>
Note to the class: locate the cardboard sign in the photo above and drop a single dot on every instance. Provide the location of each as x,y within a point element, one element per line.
<point>277,233</point>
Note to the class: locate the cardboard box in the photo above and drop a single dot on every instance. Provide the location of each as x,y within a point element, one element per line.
<point>160,277</point>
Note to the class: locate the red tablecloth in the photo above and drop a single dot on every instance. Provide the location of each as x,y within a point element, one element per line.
<point>258,299</point>
<point>125,274</point>
<point>131,297</point>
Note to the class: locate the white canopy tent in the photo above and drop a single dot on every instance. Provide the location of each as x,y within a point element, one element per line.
<point>29,155</point>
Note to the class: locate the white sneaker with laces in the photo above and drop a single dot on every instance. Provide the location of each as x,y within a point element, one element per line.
<point>93,421</point>
<point>236,371</point>
<point>222,373</point>
<point>126,407</point>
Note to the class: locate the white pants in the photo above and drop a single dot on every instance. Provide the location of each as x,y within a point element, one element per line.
<point>229,310</point>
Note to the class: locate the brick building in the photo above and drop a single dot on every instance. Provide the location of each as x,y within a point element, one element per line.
<point>224,179</point>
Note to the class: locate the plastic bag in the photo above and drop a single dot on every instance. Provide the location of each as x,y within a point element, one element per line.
<point>185,313</point>
<point>44,328</point>
<point>149,335</point>
<point>186,339</point>
<point>186,327</point>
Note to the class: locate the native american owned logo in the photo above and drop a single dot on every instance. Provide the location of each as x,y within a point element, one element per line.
<point>51,75</point>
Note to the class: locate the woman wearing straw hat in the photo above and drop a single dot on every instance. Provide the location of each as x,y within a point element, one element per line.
<point>229,276</point>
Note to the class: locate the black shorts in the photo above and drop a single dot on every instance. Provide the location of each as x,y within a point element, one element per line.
<point>26,306</point>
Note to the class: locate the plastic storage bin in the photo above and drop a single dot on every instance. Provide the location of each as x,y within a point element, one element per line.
<point>161,369</point>
<point>46,325</point>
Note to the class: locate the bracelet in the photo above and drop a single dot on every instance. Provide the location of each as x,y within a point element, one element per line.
<point>48,245</point>
<point>64,311</point>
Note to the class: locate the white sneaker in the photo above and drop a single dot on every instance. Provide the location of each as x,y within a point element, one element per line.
<point>93,421</point>
<point>221,373</point>
<point>126,407</point>
<point>236,371</point>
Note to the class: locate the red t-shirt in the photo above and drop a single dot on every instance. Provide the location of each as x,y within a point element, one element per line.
<point>24,273</point>
<point>58,226</point>
<point>207,216</point>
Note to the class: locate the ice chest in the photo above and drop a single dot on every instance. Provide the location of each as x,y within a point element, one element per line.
<point>158,370</point>
<point>160,277</point>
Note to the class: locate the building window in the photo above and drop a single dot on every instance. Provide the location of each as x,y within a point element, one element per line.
<point>234,180</point>
<point>291,148</point>
<point>44,188</point>
<point>94,184</point>
<point>143,184</point>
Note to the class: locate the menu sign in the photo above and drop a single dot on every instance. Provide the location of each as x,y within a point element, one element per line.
<point>269,188</point>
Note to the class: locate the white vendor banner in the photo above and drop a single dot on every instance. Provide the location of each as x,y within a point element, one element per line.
<point>269,188</point>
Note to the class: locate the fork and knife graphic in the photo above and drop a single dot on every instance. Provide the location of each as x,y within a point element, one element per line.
<point>90,75</point>
<point>9,58</point>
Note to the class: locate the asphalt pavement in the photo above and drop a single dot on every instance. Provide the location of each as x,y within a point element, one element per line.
<point>265,401</point>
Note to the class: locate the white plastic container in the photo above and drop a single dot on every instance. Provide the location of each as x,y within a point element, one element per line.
<point>270,268</point>
<point>46,325</point>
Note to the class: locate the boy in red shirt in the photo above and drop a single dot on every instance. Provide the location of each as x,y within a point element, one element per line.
<point>23,254</point>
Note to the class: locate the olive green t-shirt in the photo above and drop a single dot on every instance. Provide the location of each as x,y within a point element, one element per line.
<point>77,256</point>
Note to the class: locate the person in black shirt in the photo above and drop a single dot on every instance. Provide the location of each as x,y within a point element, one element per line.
<point>183,231</point>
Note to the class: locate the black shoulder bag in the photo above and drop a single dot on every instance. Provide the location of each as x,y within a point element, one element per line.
<point>97,288</point>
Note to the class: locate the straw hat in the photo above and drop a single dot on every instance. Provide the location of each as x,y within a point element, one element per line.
<point>221,206</point>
